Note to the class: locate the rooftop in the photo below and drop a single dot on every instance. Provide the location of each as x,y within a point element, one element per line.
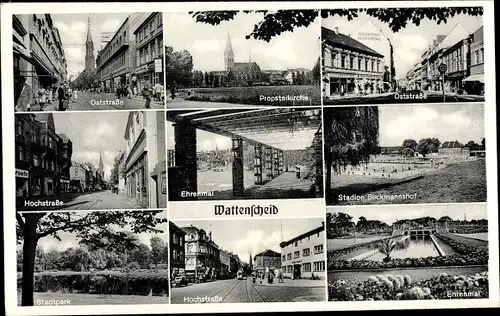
<point>341,40</point>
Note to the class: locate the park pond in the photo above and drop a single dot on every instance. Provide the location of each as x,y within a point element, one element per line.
<point>409,247</point>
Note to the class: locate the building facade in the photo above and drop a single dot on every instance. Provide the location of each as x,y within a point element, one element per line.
<point>43,158</point>
<point>77,175</point>
<point>39,56</point>
<point>453,148</point>
<point>116,62</point>
<point>202,254</point>
<point>145,162</point>
<point>266,262</point>
<point>474,84</point>
<point>177,248</point>
<point>303,256</point>
<point>350,67</point>
<point>457,60</point>
<point>149,52</point>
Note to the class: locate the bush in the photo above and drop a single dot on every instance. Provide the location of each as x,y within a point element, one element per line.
<point>104,283</point>
<point>397,287</point>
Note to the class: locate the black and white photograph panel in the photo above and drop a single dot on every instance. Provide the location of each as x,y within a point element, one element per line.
<point>92,258</point>
<point>402,55</point>
<point>397,154</point>
<point>94,61</point>
<point>245,154</point>
<point>421,252</point>
<point>247,261</point>
<point>231,58</point>
<point>90,160</point>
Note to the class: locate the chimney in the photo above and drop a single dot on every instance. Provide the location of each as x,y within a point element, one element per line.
<point>336,29</point>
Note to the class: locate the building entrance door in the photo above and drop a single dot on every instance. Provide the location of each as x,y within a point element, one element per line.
<point>297,271</point>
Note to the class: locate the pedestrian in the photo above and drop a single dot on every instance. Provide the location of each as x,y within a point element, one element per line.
<point>158,89</point>
<point>42,97</point>
<point>49,95</point>
<point>75,95</point>
<point>23,94</point>
<point>172,92</point>
<point>61,96</point>
<point>147,93</point>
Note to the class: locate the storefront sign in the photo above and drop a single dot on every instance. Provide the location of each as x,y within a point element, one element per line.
<point>142,68</point>
<point>158,65</point>
<point>22,173</point>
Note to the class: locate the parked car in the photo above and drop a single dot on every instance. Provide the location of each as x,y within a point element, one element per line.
<point>179,281</point>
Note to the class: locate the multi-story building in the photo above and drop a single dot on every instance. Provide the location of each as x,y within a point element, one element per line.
<point>225,263</point>
<point>457,59</point>
<point>474,84</point>
<point>453,148</point>
<point>38,52</point>
<point>303,256</point>
<point>349,66</point>
<point>234,263</point>
<point>202,254</point>
<point>43,158</point>
<point>90,176</point>
<point>177,248</point>
<point>145,163</point>
<point>116,61</point>
<point>149,52</point>
<point>77,176</point>
<point>266,261</point>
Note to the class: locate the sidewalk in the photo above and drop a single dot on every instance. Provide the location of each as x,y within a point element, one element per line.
<point>357,96</point>
<point>132,97</point>
<point>293,283</point>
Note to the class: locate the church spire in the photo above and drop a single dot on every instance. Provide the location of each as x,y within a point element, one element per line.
<point>89,49</point>
<point>228,54</point>
<point>89,35</point>
<point>101,165</point>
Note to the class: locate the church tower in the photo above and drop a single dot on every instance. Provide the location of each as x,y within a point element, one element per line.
<point>228,54</point>
<point>101,165</point>
<point>89,50</point>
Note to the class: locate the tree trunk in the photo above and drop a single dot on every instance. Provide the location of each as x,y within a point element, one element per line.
<point>29,250</point>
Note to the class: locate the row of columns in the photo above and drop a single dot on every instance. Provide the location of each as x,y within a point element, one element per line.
<point>268,164</point>
<point>270,160</point>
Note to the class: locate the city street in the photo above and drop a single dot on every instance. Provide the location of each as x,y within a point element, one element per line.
<point>243,291</point>
<point>88,101</point>
<point>99,200</point>
<point>432,97</point>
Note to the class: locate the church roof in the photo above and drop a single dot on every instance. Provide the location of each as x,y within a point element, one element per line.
<point>242,67</point>
<point>341,40</point>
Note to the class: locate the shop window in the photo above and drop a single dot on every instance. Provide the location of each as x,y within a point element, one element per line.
<point>306,267</point>
<point>319,266</point>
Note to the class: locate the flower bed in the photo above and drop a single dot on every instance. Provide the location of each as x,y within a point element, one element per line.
<point>397,287</point>
<point>104,283</point>
<point>462,248</point>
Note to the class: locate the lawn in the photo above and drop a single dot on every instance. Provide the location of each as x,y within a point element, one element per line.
<point>456,183</point>
<point>305,95</point>
<point>96,299</point>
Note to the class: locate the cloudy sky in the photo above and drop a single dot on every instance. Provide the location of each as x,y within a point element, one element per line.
<point>69,239</point>
<point>412,41</point>
<point>73,31</point>
<point>253,235</point>
<point>207,43</point>
<point>92,132</point>
<point>391,214</point>
<point>447,122</point>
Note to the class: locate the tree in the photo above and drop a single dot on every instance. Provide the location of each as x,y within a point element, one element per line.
<point>410,143</point>
<point>274,23</point>
<point>483,143</point>
<point>386,247</point>
<point>31,227</point>
<point>407,152</point>
<point>115,172</point>
<point>157,250</point>
<point>141,255</point>
<point>179,67</point>
<point>316,74</point>
<point>423,146</point>
<point>473,145</point>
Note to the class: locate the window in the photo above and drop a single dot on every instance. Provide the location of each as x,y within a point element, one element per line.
<point>351,62</point>
<point>284,258</point>
<point>289,256</point>
<point>52,166</point>
<point>318,249</point>
<point>174,253</point>
<point>306,267</point>
<point>175,239</point>
<point>335,62</point>
<point>21,153</point>
<point>181,255</point>
<point>76,173</point>
<point>359,64</point>
<point>50,142</point>
<point>373,66</point>
<point>319,266</point>
<point>181,240</point>
<point>296,254</point>
<point>296,243</point>
<point>366,64</point>
<point>19,128</point>
<point>306,252</point>
<point>35,161</point>
<point>482,54</point>
<point>343,61</point>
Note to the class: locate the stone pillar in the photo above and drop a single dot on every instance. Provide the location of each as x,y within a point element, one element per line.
<point>281,162</point>
<point>276,163</point>
<point>269,163</point>
<point>184,177</point>
<point>258,165</point>
<point>238,176</point>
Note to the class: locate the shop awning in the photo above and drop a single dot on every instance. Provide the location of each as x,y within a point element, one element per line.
<point>475,77</point>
